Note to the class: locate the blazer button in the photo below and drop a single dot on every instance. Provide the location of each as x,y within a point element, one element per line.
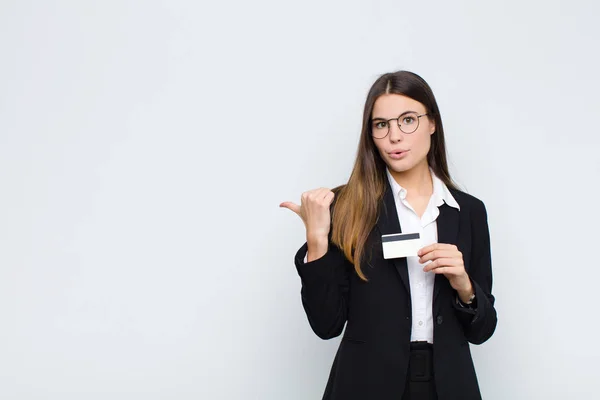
<point>440,319</point>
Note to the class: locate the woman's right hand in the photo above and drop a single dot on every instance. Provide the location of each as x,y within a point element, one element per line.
<point>314,212</point>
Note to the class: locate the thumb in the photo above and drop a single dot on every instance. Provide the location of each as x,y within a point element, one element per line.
<point>292,206</point>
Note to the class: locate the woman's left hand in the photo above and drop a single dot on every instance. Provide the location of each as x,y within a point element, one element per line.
<point>446,259</point>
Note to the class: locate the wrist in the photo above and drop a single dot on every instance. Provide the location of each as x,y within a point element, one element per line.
<point>317,247</point>
<point>316,239</point>
<point>465,294</point>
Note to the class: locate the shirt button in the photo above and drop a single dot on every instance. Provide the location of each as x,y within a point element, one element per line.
<point>440,319</point>
<point>420,323</point>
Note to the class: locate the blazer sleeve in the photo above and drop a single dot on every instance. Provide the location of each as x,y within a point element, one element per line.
<point>324,292</point>
<point>479,323</point>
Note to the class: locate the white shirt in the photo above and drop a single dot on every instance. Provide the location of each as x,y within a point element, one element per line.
<point>421,283</point>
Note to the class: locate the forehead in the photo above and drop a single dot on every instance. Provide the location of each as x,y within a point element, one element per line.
<point>391,105</point>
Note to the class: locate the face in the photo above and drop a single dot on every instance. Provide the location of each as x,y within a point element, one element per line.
<point>401,151</point>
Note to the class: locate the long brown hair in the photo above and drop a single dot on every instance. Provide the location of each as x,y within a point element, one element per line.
<point>357,202</point>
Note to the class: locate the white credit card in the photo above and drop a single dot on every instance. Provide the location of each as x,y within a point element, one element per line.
<point>400,245</point>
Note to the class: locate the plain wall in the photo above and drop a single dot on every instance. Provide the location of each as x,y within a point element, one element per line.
<point>145,147</point>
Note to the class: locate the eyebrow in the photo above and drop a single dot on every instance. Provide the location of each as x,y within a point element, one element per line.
<point>385,119</point>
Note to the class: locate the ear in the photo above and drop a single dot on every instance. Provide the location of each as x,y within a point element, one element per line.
<point>431,126</point>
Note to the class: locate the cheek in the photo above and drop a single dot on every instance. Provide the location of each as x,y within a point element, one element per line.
<point>379,147</point>
<point>424,141</point>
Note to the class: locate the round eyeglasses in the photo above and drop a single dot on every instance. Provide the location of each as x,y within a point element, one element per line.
<point>408,122</point>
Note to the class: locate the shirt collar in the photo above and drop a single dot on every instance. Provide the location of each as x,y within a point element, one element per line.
<point>441,193</point>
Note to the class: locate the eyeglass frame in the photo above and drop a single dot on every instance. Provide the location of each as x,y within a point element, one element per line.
<point>397,123</point>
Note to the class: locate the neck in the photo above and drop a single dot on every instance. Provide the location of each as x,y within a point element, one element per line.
<point>416,180</point>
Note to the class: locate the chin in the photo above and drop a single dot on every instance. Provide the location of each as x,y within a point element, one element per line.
<point>399,166</point>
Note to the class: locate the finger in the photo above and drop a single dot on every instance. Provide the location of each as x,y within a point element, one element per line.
<point>448,271</point>
<point>440,253</point>
<point>436,246</point>
<point>320,194</point>
<point>310,196</point>
<point>427,249</point>
<point>291,206</point>
<point>443,262</point>
<point>329,198</point>
<point>442,270</point>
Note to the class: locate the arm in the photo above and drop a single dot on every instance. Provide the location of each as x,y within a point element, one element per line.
<point>324,273</point>
<point>479,321</point>
<point>324,292</point>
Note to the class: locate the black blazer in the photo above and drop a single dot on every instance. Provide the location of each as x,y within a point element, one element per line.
<point>372,359</point>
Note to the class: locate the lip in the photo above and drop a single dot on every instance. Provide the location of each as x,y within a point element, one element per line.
<point>397,154</point>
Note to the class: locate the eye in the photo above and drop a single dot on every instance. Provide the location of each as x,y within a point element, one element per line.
<point>380,124</point>
<point>408,120</point>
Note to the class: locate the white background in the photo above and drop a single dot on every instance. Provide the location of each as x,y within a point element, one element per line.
<point>145,147</point>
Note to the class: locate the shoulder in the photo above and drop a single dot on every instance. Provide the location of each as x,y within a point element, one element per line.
<point>468,201</point>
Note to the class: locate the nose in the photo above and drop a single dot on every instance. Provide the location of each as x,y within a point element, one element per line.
<point>395,135</point>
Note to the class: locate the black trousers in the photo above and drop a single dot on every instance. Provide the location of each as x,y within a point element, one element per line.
<point>420,384</point>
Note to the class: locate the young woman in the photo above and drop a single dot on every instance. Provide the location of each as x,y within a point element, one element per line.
<point>409,319</point>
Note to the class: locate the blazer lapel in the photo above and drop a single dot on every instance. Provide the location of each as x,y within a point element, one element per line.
<point>447,228</point>
<point>387,223</point>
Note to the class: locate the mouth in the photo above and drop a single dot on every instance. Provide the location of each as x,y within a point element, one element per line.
<point>397,154</point>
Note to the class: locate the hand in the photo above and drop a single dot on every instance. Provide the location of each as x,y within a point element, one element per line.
<point>446,259</point>
<point>314,212</point>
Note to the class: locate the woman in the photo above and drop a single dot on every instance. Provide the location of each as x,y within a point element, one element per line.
<point>409,319</point>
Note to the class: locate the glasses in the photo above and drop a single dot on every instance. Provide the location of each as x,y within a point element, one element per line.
<point>407,122</point>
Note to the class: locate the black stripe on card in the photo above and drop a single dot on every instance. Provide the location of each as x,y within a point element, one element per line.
<point>399,237</point>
